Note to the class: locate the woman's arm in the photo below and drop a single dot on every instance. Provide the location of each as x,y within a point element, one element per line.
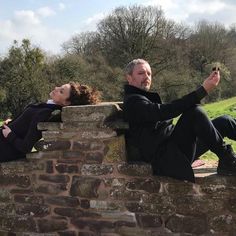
<point>26,144</point>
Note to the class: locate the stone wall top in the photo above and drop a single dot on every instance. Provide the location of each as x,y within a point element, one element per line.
<point>90,113</point>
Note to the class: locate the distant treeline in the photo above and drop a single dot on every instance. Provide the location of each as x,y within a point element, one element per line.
<point>181,57</point>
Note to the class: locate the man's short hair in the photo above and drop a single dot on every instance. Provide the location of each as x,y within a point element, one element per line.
<point>130,66</point>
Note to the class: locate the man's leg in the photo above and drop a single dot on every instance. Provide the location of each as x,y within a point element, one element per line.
<point>192,124</point>
<point>226,126</point>
<point>177,155</point>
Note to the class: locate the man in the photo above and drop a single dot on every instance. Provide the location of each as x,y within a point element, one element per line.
<point>171,149</point>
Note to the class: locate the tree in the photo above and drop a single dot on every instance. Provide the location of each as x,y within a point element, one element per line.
<point>20,76</point>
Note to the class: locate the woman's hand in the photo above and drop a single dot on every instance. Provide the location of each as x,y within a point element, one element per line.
<point>5,122</point>
<point>5,130</point>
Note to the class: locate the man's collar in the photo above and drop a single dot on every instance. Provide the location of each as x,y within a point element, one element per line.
<point>133,89</point>
<point>154,97</point>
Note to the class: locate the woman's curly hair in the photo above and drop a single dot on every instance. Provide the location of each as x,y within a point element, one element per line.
<point>81,94</point>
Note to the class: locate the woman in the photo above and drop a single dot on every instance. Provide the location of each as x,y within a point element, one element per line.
<point>18,136</point>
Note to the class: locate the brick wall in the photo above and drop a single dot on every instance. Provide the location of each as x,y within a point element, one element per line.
<point>79,184</point>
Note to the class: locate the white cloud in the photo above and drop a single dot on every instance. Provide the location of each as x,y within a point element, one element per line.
<point>91,22</point>
<point>25,18</point>
<point>27,24</point>
<point>191,10</point>
<point>45,12</point>
<point>62,6</point>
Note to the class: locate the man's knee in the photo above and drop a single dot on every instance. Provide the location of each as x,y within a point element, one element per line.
<point>226,125</point>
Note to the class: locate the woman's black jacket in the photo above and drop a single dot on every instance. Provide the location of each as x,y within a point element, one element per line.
<point>24,131</point>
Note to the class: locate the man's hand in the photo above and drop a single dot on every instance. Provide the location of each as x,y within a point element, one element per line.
<point>212,81</point>
<point>6,130</point>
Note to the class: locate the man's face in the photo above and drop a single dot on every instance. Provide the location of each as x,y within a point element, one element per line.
<point>141,76</point>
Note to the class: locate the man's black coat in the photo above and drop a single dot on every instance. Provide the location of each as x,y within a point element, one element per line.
<point>151,126</point>
<point>24,131</point>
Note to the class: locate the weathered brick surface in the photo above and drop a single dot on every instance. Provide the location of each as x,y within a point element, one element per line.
<point>51,225</point>
<point>17,223</point>
<point>32,210</point>
<point>187,224</point>
<point>86,187</point>
<point>55,178</point>
<point>65,168</point>
<point>52,145</point>
<point>80,184</point>
<point>95,169</point>
<point>52,189</point>
<point>14,179</point>
<point>63,201</point>
<point>144,170</point>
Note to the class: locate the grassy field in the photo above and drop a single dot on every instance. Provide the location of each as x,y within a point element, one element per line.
<point>224,107</point>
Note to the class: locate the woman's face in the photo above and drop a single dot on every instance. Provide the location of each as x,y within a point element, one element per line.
<point>60,95</point>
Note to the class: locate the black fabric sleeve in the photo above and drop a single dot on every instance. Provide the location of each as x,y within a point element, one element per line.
<point>26,144</point>
<point>140,109</point>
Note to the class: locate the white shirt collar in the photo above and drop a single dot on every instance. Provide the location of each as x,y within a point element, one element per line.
<point>50,101</point>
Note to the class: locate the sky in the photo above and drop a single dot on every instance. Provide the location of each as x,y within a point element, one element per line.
<point>50,23</point>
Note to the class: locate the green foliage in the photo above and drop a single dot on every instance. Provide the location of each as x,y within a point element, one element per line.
<point>181,57</point>
<point>20,76</point>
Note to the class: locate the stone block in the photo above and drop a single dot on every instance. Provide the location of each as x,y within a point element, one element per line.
<point>55,178</point>
<point>231,204</point>
<point>50,126</point>
<point>67,233</point>
<point>5,195</point>
<point>18,167</point>
<point>88,145</point>
<point>140,169</point>
<point>149,220</point>
<point>51,225</point>
<point>197,204</point>
<point>96,169</point>
<point>115,149</point>
<point>91,224</point>
<point>87,233</point>
<point>89,113</point>
<point>74,154</point>
<point>49,167</point>
<point>86,187</point>
<point>32,210</point>
<point>7,209</point>
<point>147,185</point>
<point>153,204</point>
<point>65,168</point>
<point>223,223</point>
<point>17,223</point>
<point>75,213</point>
<point>179,188</point>
<point>57,145</point>
<point>51,189</point>
<point>15,179</point>
<point>29,199</point>
<point>107,205</point>
<point>187,224</point>
<point>94,158</point>
<point>44,155</point>
<point>82,134</point>
<point>84,203</point>
<point>63,201</point>
<point>122,194</point>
